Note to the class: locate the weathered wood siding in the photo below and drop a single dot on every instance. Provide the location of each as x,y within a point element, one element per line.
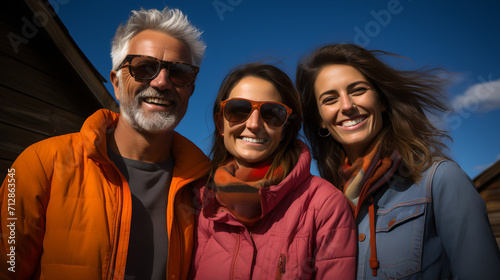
<point>488,185</point>
<point>41,94</point>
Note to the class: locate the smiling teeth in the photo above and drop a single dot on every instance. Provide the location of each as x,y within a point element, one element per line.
<point>159,101</point>
<point>353,122</point>
<point>253,140</point>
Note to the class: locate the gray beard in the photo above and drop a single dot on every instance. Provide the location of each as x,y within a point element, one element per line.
<point>151,122</point>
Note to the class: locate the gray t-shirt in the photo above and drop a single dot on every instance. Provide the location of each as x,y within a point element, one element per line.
<point>149,184</point>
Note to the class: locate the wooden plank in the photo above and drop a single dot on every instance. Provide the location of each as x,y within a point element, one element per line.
<point>493,206</point>
<point>82,67</point>
<point>496,229</point>
<point>494,218</point>
<point>491,192</point>
<point>14,140</point>
<point>38,68</point>
<point>40,54</point>
<point>35,46</point>
<point>73,97</point>
<point>4,166</point>
<point>49,46</point>
<point>489,175</point>
<point>37,116</point>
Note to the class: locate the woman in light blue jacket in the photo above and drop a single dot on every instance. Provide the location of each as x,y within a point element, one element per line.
<point>418,214</point>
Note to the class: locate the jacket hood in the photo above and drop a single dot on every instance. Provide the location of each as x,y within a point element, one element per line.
<point>270,197</point>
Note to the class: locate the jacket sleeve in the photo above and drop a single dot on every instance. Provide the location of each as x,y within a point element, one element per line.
<point>463,226</point>
<point>335,240</point>
<point>23,201</point>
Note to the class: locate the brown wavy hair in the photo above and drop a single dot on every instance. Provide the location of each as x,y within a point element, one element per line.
<point>408,95</point>
<point>288,151</point>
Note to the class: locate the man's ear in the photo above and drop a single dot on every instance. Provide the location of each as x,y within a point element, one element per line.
<point>219,125</point>
<point>192,89</point>
<point>113,77</point>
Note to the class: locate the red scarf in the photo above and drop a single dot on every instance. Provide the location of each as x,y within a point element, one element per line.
<point>238,189</point>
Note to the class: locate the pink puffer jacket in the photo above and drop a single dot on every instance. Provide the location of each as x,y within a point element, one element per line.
<point>307,232</point>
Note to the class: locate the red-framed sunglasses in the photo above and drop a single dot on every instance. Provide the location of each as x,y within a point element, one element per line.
<point>237,110</point>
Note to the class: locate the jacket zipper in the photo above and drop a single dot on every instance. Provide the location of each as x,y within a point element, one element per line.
<point>116,235</point>
<point>114,245</point>
<point>236,252</point>
<point>254,255</point>
<point>281,267</point>
<point>176,226</point>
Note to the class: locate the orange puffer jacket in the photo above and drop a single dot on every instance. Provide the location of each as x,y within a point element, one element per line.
<point>66,209</point>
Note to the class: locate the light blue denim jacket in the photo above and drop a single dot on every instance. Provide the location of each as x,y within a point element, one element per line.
<point>437,228</point>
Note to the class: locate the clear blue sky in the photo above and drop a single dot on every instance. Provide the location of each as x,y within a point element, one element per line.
<point>461,36</point>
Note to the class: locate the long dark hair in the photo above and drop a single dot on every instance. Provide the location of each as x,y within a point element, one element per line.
<point>288,151</point>
<point>406,94</point>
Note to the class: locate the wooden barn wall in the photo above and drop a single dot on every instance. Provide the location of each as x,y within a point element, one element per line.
<point>492,198</point>
<point>42,96</point>
<point>488,184</point>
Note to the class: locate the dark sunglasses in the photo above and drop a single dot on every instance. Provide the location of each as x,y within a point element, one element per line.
<point>237,110</point>
<point>145,67</point>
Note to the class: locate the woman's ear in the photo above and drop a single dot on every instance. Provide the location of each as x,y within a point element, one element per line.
<point>381,103</point>
<point>383,107</point>
<point>219,125</point>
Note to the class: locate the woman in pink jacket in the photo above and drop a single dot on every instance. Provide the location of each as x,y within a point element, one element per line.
<point>264,216</point>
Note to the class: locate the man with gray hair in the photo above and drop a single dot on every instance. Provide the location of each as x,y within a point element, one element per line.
<point>116,200</point>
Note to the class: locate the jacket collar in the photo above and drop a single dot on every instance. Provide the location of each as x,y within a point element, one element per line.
<point>190,162</point>
<point>94,131</point>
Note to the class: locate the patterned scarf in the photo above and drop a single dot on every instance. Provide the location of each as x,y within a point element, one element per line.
<point>360,176</point>
<point>238,189</point>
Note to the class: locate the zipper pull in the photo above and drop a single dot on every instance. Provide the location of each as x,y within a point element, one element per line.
<point>281,266</point>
